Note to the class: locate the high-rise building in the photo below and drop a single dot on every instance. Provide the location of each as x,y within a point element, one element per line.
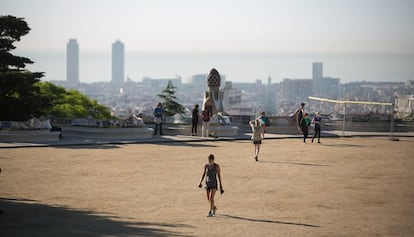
<point>72,61</point>
<point>198,80</point>
<point>326,87</point>
<point>295,90</point>
<point>231,96</point>
<point>317,71</point>
<point>317,74</point>
<point>118,65</point>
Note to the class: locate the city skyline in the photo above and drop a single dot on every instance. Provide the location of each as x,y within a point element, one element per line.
<point>246,40</point>
<point>95,66</point>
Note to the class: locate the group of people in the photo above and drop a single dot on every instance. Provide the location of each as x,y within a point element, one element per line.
<point>212,172</point>
<point>304,122</point>
<point>205,119</point>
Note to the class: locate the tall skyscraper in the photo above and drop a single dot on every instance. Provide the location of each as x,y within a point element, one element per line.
<point>326,87</point>
<point>317,71</point>
<point>118,65</point>
<point>72,61</point>
<point>317,75</point>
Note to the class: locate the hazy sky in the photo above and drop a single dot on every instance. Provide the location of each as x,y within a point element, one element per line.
<point>323,26</point>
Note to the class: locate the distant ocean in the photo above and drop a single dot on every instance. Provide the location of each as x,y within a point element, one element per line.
<point>237,67</point>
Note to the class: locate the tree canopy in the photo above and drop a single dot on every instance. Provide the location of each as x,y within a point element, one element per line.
<point>20,98</point>
<point>71,103</point>
<point>170,105</point>
<point>23,96</point>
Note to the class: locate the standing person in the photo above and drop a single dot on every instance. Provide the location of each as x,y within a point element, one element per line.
<point>299,115</point>
<point>304,124</point>
<point>211,172</point>
<point>205,129</point>
<point>194,120</point>
<point>158,113</point>
<point>264,121</point>
<point>1,212</point>
<point>317,121</point>
<point>257,136</point>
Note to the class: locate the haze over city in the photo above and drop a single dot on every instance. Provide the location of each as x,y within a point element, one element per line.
<point>246,40</point>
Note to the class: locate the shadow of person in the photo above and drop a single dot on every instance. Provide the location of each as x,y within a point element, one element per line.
<point>268,221</point>
<point>292,163</point>
<point>30,218</point>
<point>345,145</point>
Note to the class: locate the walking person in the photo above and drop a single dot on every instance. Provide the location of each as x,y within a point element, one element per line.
<point>264,121</point>
<point>211,173</point>
<point>194,120</point>
<point>257,136</point>
<point>304,124</point>
<point>317,121</point>
<point>299,115</point>
<point>159,114</point>
<point>205,127</point>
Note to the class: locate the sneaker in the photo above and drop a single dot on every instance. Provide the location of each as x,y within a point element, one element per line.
<point>210,214</point>
<point>257,159</point>
<point>312,140</point>
<point>214,210</point>
<point>319,142</point>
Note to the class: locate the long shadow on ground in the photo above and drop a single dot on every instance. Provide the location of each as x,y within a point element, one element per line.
<point>269,221</point>
<point>292,163</point>
<point>346,145</point>
<point>31,218</point>
<point>189,144</point>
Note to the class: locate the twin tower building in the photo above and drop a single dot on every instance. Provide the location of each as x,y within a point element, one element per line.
<point>72,62</point>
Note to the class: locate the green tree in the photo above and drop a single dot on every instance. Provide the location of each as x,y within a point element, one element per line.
<point>71,103</point>
<point>20,97</point>
<point>23,96</point>
<point>170,105</point>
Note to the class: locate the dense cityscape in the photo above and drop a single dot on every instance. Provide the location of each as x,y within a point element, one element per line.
<point>126,97</point>
<point>206,118</point>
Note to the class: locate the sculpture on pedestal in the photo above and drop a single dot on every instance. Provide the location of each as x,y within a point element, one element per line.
<point>213,98</point>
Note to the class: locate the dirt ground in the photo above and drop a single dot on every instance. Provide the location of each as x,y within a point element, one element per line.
<point>342,187</point>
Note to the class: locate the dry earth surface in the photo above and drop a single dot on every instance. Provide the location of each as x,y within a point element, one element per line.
<point>342,187</point>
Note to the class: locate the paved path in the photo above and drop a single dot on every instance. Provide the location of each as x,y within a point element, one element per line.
<point>78,141</point>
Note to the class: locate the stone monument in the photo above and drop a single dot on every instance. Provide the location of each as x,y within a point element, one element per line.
<point>213,98</point>
<point>213,102</point>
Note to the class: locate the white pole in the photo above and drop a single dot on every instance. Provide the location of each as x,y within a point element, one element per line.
<point>309,106</point>
<point>392,121</point>
<point>343,123</point>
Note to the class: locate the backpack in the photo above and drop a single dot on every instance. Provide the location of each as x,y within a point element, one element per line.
<point>304,122</point>
<point>205,116</point>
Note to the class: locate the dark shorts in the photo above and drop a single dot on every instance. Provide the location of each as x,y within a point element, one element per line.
<point>211,188</point>
<point>257,142</point>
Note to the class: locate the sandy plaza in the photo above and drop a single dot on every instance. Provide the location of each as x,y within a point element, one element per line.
<point>342,187</point>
